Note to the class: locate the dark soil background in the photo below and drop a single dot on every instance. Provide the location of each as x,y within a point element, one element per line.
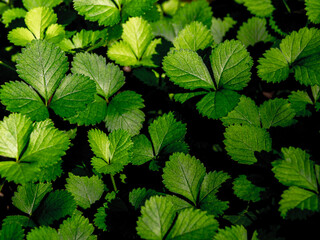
<point>204,137</point>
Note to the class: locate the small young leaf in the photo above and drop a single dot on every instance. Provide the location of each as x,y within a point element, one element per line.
<point>246,190</point>
<point>11,14</point>
<point>219,28</point>
<point>299,101</point>
<point>20,36</point>
<point>138,196</point>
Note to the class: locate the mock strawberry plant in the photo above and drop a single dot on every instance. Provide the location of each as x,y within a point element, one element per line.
<point>159,119</point>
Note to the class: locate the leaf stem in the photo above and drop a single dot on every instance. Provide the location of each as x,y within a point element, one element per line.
<point>287,6</point>
<point>113,183</point>
<point>7,66</point>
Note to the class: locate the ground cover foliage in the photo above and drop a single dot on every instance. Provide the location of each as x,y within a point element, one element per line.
<point>146,119</point>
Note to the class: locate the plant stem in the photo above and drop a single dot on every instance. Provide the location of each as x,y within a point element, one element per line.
<point>7,66</point>
<point>287,6</point>
<point>113,183</point>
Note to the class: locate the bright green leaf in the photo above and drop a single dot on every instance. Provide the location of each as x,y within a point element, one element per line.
<point>43,232</point>
<point>20,36</point>
<point>142,151</point>
<point>313,10</point>
<point>11,14</point>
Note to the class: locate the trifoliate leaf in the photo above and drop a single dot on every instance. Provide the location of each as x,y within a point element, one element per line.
<point>11,232</point>
<point>214,206</point>
<point>193,224</point>
<point>14,134</point>
<point>260,8</point>
<point>19,172</point>
<point>21,220</point>
<point>296,197</point>
<point>231,64</point>
<point>183,175</point>
<point>108,77</point>
<point>55,33</point>
<point>85,190</point>
<point>235,232</point>
<point>246,190</point>
<point>38,19</point>
<point>20,36</point>
<point>142,150</point>
<point>194,36</point>
<point>276,112</point>
<point>11,14</point>
<point>43,232</point>
<point>124,112</point>
<point>42,65</point>
<point>156,218</point>
<point>218,104</point>
<point>166,130</point>
<point>28,196</point>
<point>254,31</point>
<point>76,227</point>
<point>122,54</point>
<point>245,113</point>
<point>105,12</point>
<point>19,97</point>
<point>296,169</point>
<point>138,196</point>
<point>29,4</point>
<point>313,10</point>
<point>219,28</point>
<point>242,141</point>
<point>57,205</point>
<point>73,94</point>
<point>179,203</point>
<point>299,101</point>
<point>186,69</point>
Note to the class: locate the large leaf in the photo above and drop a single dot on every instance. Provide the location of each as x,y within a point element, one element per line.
<point>11,232</point>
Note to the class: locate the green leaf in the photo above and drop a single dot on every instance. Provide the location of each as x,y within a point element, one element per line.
<point>231,64</point>
<point>219,28</point>
<point>55,33</point>
<point>245,113</point>
<point>186,69</point>
<point>108,77</point>
<point>260,8</point>
<point>76,227</point>
<point>100,218</point>
<point>166,130</point>
<point>85,190</point>
<point>28,196</point>
<point>43,232</point>
<point>183,175</point>
<point>42,65</point>
<point>11,14</point>
<point>313,10</point>
<point>193,224</point>
<point>299,101</point>
<point>19,172</point>
<point>164,28</point>
<point>73,95</point>
<point>235,232</point>
<point>38,19</point>
<point>194,36</point>
<point>105,12</point>
<point>142,150</point>
<point>21,220</point>
<point>246,190</point>
<point>242,141</point>
<point>20,36</point>
<point>29,4</point>
<point>296,197</point>
<point>213,206</point>
<point>11,232</point>
<point>296,169</point>
<point>19,97</point>
<point>276,112</point>
<point>14,134</point>
<point>100,144</point>
<point>135,9</point>
<point>57,205</point>
<point>156,218</point>
<point>254,31</point>
<point>218,104</point>
<point>124,112</point>
<point>138,196</point>
<point>122,54</point>
<point>183,97</point>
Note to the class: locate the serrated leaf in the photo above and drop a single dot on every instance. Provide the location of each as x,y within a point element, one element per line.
<point>57,205</point>
<point>19,172</point>
<point>194,36</point>
<point>214,206</point>
<point>156,218</point>
<point>235,232</point>
<point>246,190</point>
<point>260,8</point>
<point>166,130</point>
<point>21,220</point>
<point>42,65</point>
<point>193,224</point>
<point>296,169</point>
<point>38,19</point>
<point>55,33</point>
<point>11,232</point>
<point>219,28</point>
<point>142,150</point>
<point>29,4</point>
<point>122,54</point>
<point>14,133</point>
<point>231,64</point>
<point>105,12</point>
<point>76,227</point>
<point>134,8</point>
<point>186,69</point>
<point>11,14</point>
<point>20,36</point>
<point>108,77</point>
<point>138,196</point>
<point>218,104</point>
<point>276,112</point>
<point>124,112</point>
<point>72,95</point>
<point>43,232</point>
<point>245,113</point>
<point>183,175</point>
<point>50,173</point>
<point>100,144</point>
<point>254,31</point>
<point>313,10</point>
<point>28,196</point>
<point>299,101</point>
<point>85,190</point>
<point>242,141</point>
<point>19,97</point>
<point>100,218</point>
<point>296,197</point>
